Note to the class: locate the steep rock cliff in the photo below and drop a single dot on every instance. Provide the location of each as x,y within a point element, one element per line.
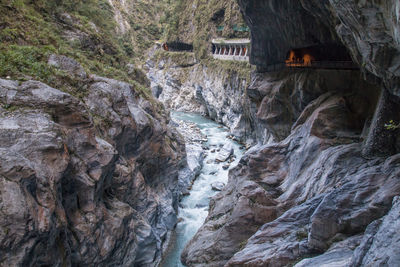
<point>323,189</point>
<point>368,29</point>
<point>209,87</point>
<point>90,181</point>
<point>320,158</point>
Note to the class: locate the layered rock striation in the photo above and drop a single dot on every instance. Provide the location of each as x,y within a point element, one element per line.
<point>210,88</point>
<point>369,30</point>
<point>85,181</point>
<point>323,182</point>
<point>299,196</point>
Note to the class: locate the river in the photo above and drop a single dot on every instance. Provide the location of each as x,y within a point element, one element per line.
<point>193,208</point>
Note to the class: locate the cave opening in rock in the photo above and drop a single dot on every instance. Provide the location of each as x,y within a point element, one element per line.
<point>328,56</point>
<point>177,46</point>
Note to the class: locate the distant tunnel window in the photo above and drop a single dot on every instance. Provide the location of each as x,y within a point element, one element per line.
<point>177,46</point>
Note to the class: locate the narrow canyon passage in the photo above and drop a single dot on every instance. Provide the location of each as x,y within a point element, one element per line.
<point>193,208</point>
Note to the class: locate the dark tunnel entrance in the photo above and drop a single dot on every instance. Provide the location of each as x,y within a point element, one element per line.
<point>177,47</point>
<point>331,56</point>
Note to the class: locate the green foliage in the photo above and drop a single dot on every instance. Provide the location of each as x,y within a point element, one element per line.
<point>242,69</point>
<point>192,22</point>
<point>16,61</point>
<point>301,235</point>
<point>84,30</point>
<point>391,125</point>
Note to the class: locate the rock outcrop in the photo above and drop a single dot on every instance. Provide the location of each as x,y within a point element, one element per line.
<point>324,185</point>
<point>209,88</point>
<point>380,245</point>
<point>90,181</point>
<point>287,194</point>
<point>370,35</point>
<point>368,29</point>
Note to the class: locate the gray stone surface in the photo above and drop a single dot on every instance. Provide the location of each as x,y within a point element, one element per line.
<point>381,141</point>
<point>217,186</point>
<point>92,182</point>
<point>381,243</point>
<point>68,65</point>
<point>320,164</point>
<point>340,254</point>
<point>225,153</point>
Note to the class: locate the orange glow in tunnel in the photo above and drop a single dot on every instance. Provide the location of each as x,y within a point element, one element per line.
<point>299,61</point>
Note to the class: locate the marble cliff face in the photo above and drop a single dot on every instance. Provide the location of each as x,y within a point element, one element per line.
<point>90,181</point>
<point>95,179</point>
<point>327,189</point>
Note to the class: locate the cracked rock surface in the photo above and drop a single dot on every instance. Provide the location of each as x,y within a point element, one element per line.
<point>89,181</point>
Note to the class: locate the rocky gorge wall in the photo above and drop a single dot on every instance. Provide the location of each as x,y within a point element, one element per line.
<point>321,187</point>
<point>92,170</point>
<point>85,181</point>
<point>212,88</point>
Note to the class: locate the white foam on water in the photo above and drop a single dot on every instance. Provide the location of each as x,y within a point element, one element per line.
<point>194,208</point>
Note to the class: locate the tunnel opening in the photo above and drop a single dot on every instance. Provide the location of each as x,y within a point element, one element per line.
<point>331,56</point>
<point>177,47</point>
<point>218,17</point>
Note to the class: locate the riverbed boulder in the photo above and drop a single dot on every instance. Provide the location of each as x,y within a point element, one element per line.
<point>217,186</point>
<point>225,153</point>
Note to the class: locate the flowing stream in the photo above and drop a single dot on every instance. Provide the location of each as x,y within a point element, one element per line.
<point>194,208</point>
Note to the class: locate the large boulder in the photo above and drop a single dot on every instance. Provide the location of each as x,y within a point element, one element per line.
<point>225,153</point>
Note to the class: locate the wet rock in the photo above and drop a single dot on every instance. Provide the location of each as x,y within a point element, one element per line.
<point>287,193</point>
<point>217,186</point>
<point>225,153</point>
<point>195,156</point>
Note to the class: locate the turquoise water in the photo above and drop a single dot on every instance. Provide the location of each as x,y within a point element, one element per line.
<point>194,208</point>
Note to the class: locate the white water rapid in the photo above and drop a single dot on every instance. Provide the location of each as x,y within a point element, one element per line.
<point>194,208</point>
